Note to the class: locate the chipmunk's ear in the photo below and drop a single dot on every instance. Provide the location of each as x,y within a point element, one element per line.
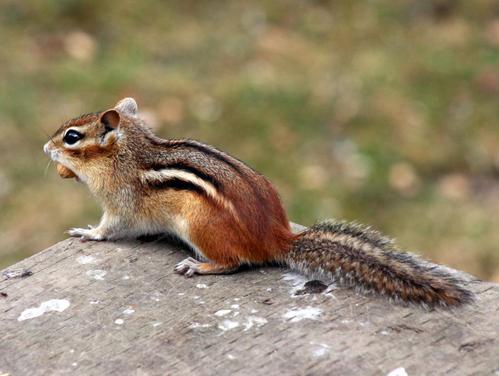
<point>110,119</point>
<point>127,106</point>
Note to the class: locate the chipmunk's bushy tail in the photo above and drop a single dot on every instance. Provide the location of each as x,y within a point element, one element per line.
<point>359,257</point>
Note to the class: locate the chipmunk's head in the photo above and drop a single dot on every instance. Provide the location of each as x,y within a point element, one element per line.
<point>83,147</point>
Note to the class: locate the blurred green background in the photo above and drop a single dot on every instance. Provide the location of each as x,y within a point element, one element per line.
<point>384,112</point>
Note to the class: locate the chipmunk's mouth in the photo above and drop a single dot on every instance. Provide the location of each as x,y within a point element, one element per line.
<point>65,172</point>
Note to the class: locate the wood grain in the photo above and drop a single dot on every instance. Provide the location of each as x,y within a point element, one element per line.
<point>129,314</point>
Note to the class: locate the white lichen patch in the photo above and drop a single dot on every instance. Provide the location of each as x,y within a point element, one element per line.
<point>119,321</point>
<point>125,277</point>
<point>231,357</point>
<point>201,286</point>
<point>298,314</point>
<point>222,312</point>
<point>155,296</point>
<point>196,325</point>
<point>296,280</point>
<point>330,288</point>
<point>320,349</point>
<point>254,320</point>
<point>228,325</point>
<point>97,274</point>
<point>128,311</point>
<point>53,305</point>
<point>329,291</point>
<point>234,306</point>
<point>84,259</point>
<point>398,372</point>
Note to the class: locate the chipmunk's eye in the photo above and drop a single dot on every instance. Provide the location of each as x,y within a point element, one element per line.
<point>71,137</point>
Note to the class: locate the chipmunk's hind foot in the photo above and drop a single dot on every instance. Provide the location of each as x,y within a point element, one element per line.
<point>191,266</point>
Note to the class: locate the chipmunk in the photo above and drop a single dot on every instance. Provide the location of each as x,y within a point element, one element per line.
<point>228,213</point>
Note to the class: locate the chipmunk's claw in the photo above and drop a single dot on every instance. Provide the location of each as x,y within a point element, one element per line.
<point>188,267</point>
<point>85,234</point>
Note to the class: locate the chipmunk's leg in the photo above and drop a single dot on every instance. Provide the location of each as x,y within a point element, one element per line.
<point>191,266</point>
<point>107,229</point>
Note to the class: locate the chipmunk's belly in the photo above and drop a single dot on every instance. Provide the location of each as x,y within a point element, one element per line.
<point>168,223</point>
<point>169,218</point>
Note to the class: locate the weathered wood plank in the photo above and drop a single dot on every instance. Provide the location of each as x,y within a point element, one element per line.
<point>129,313</point>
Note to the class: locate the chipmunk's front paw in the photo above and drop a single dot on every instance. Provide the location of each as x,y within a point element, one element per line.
<point>86,234</point>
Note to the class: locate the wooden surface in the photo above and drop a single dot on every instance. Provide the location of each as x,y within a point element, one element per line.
<point>116,308</point>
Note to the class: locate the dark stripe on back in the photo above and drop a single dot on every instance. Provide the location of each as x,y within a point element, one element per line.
<point>225,159</point>
<point>205,149</point>
<point>177,184</point>
<point>187,168</point>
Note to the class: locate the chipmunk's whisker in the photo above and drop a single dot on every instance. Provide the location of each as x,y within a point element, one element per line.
<point>46,168</point>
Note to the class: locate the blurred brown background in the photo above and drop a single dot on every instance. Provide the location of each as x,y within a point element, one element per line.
<point>379,111</point>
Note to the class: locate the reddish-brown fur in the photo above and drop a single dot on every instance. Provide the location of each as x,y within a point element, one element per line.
<point>237,244</point>
<point>257,232</point>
